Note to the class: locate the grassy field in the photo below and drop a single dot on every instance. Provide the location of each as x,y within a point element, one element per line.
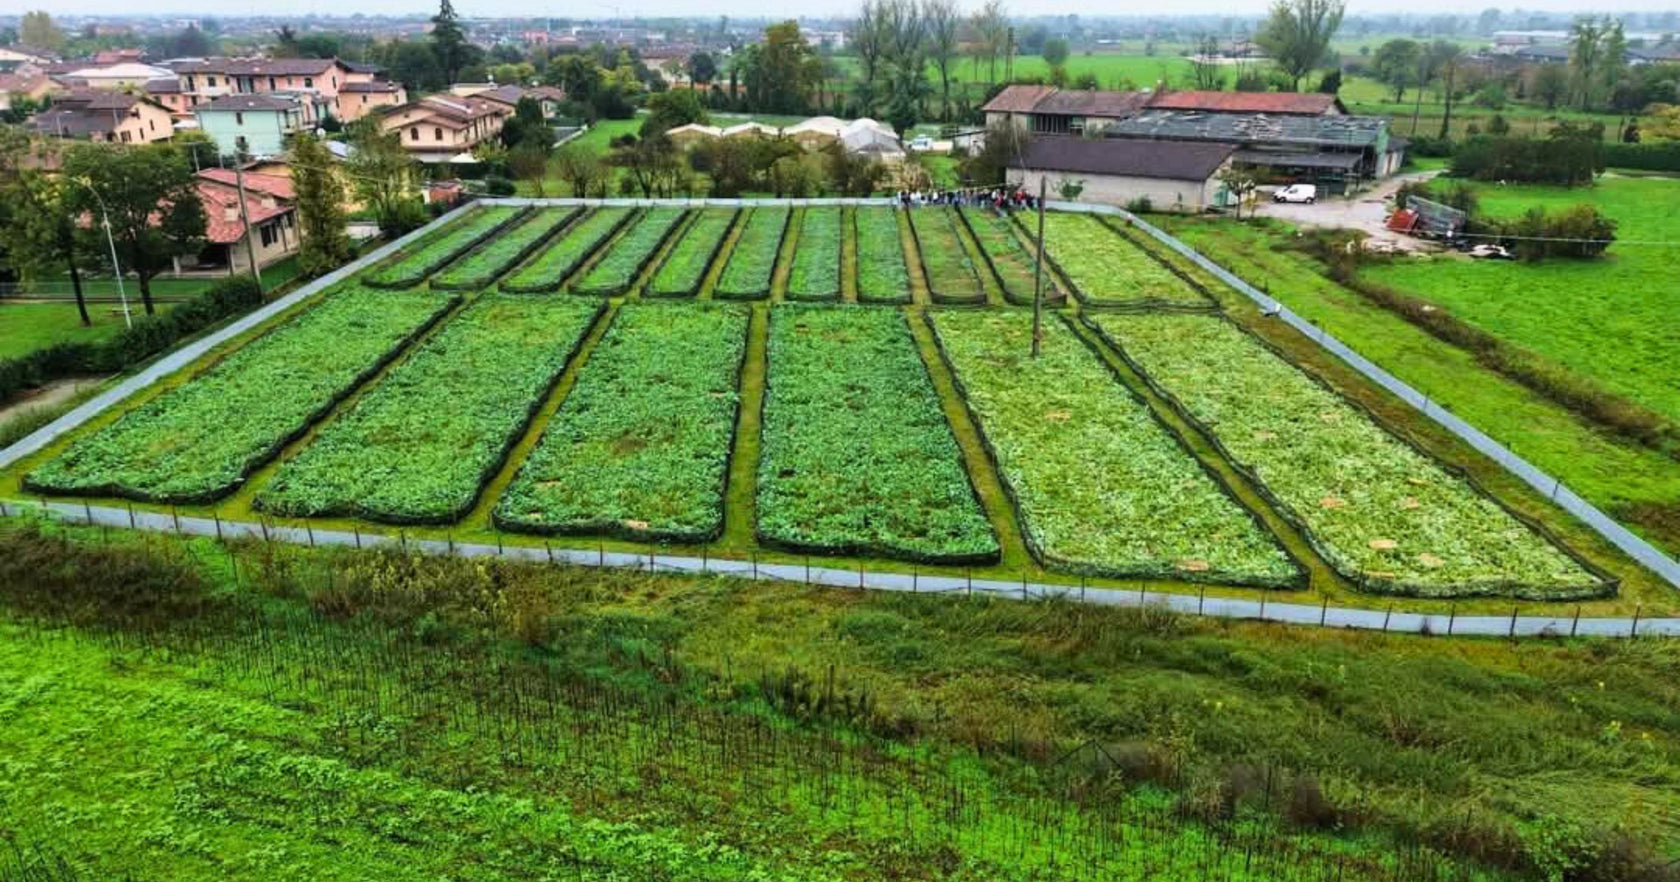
<point>26,327</point>
<point>1364,95</point>
<point>190,713</point>
<point>1610,319</point>
<point>1638,485</point>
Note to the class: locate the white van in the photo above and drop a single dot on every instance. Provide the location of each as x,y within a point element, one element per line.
<point>1307,193</point>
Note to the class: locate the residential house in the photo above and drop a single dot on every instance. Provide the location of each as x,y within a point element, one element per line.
<point>33,87</point>
<point>1170,175</point>
<point>17,55</point>
<point>106,57</point>
<point>166,91</point>
<point>268,222</point>
<point>441,128</point>
<point>255,125</point>
<point>93,115</point>
<point>549,98</point>
<point>346,90</point>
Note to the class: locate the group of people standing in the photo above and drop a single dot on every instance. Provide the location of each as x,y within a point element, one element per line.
<point>999,199</point>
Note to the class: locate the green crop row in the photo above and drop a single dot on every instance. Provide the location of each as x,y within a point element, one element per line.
<point>617,270</point>
<point>434,253</point>
<point>419,447</point>
<point>882,274</point>
<point>641,446</point>
<point>1010,260</point>
<point>504,250</point>
<point>685,266</point>
<point>857,457</point>
<point>1378,509</point>
<point>950,273</point>
<point>561,257</point>
<point>816,265</point>
<point>1101,487</point>
<point>198,442</point>
<point>752,263</point>
<point>1107,270</point>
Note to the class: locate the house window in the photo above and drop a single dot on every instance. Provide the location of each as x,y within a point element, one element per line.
<point>270,84</point>
<point>267,235</point>
<point>414,134</point>
<point>151,124</point>
<point>210,82</point>
<point>125,137</point>
<point>335,81</point>
<point>437,134</point>
<point>364,99</point>
<point>309,82</point>
<point>239,119</point>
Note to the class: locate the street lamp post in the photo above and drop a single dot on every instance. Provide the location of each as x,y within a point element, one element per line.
<point>116,267</point>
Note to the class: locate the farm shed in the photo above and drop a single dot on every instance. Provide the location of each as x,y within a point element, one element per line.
<point>1171,175</point>
<point>1338,153</point>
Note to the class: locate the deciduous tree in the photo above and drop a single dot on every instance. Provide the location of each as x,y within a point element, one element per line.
<point>1296,34</point>
<point>150,194</point>
<point>320,207</point>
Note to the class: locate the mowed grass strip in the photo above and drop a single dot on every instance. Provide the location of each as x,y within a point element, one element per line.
<point>199,441</point>
<point>503,250</point>
<point>816,265</point>
<point>627,257</point>
<point>1107,270</point>
<point>856,455</point>
<point>434,253</point>
<point>1380,511</point>
<point>419,446</point>
<point>951,275</point>
<point>1011,260</point>
<point>685,267</point>
<point>883,276</point>
<point>641,446</point>
<point>752,262</point>
<point>557,260</point>
<point>1100,485</point>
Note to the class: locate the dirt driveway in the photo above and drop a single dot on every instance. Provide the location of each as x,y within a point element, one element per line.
<point>1366,211</point>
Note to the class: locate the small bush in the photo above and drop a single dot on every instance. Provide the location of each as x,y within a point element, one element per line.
<point>1308,807</point>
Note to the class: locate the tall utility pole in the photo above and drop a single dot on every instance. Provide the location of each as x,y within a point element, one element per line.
<point>245,218</point>
<point>1038,267</point>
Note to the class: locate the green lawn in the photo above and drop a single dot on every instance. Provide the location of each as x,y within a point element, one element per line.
<point>1364,95</point>
<point>1611,319</point>
<point>1636,484</point>
<point>340,715</point>
<point>26,327</point>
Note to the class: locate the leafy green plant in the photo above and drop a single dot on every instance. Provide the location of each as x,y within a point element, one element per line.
<point>882,274</point>
<point>857,457</point>
<point>1382,512</point>
<point>752,263</point>
<point>1100,485</point>
<point>561,257</point>
<point>199,441</point>
<point>641,446</point>
<point>1107,270</point>
<point>618,268</point>
<point>1013,263</point>
<point>685,266</point>
<point>950,273</point>
<point>816,265</point>
<point>433,253</point>
<point>419,447</point>
<point>504,250</point>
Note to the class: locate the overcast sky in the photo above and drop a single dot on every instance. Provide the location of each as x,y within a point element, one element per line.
<point>755,8</point>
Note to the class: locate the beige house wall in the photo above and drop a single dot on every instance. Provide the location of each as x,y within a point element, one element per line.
<point>1163,194</point>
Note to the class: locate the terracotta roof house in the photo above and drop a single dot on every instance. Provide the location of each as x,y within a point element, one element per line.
<point>269,220</point>
<point>1170,175</point>
<point>206,79</point>
<point>357,99</point>
<point>440,128</point>
<point>33,86</point>
<point>125,75</point>
<point>93,115</point>
<point>256,125</point>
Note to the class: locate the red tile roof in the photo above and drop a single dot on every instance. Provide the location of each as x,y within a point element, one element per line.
<point>278,186</point>
<point>1301,103</point>
<point>219,199</point>
<point>1017,99</point>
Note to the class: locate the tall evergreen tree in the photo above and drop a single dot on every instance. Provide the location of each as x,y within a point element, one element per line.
<point>449,41</point>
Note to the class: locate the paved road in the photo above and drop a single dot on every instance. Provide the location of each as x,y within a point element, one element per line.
<point>1366,211</point>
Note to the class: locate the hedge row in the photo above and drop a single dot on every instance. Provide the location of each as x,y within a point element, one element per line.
<point>150,335</point>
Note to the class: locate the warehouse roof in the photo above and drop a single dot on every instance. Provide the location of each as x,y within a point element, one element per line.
<point>1171,160</point>
<point>1294,103</point>
<point>1251,128</point>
